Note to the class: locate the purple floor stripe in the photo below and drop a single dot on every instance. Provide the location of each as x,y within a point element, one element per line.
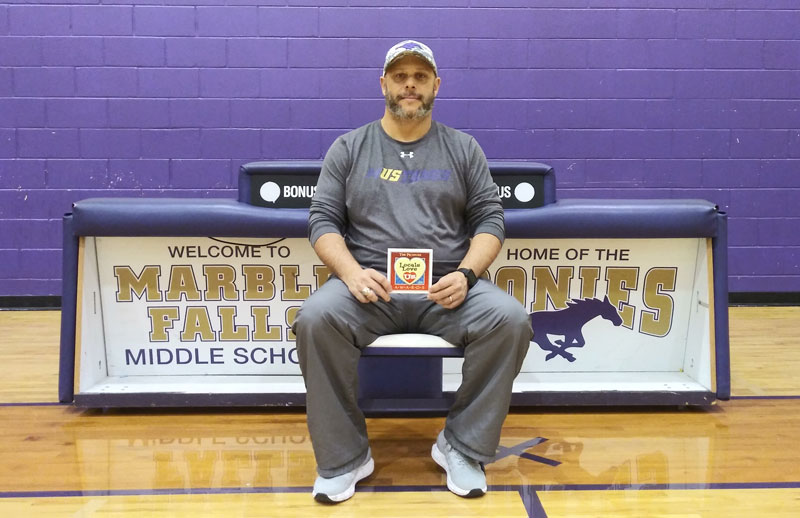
<point>533,506</point>
<point>145,492</point>
<point>537,458</point>
<point>765,397</point>
<point>34,404</point>
<point>654,487</point>
<point>523,490</point>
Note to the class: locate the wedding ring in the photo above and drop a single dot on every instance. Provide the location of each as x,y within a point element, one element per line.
<point>451,299</point>
<point>366,291</point>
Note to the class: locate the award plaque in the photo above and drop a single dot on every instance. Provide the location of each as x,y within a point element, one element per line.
<point>410,269</point>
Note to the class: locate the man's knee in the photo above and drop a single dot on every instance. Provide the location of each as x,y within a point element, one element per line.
<point>318,327</point>
<point>514,331</point>
<point>502,315</point>
<point>516,314</point>
<point>519,322</point>
<point>510,311</point>
<point>313,310</point>
<point>324,304</point>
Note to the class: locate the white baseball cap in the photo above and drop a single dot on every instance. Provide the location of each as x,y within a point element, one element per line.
<point>410,47</point>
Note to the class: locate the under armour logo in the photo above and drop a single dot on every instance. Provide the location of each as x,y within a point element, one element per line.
<point>410,154</point>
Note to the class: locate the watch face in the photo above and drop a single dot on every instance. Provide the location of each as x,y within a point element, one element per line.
<point>470,275</point>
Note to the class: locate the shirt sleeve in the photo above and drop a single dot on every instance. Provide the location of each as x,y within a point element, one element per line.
<point>484,211</point>
<point>328,212</point>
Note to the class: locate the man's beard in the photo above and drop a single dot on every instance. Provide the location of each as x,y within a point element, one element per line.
<point>393,104</point>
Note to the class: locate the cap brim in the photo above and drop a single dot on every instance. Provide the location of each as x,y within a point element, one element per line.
<point>410,53</point>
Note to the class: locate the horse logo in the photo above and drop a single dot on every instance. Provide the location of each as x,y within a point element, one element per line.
<point>568,323</point>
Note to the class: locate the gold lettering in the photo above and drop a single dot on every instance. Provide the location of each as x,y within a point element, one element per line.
<point>197,322</point>
<point>659,321</point>
<point>182,282</point>
<point>262,331</point>
<point>129,283</point>
<point>161,319</point>
<point>291,289</point>
<point>229,331</point>
<point>548,287</point>
<point>220,282</point>
<point>589,276</point>
<point>259,282</point>
<point>391,175</point>
<point>621,281</point>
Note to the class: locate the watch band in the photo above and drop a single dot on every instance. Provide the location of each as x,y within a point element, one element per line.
<point>472,279</point>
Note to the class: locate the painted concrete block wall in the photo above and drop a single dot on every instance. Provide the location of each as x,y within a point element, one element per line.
<point>626,98</point>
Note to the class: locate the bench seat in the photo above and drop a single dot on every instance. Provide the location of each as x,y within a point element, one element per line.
<point>412,344</point>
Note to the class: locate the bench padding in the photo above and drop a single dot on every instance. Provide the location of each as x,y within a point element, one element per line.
<point>609,218</point>
<point>574,218</point>
<point>184,217</point>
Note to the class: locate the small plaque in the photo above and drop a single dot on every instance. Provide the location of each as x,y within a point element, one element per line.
<point>410,269</point>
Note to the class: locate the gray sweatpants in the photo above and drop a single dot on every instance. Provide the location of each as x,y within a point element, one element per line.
<point>332,327</point>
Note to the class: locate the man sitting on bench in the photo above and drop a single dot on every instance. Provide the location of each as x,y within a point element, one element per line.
<point>405,181</point>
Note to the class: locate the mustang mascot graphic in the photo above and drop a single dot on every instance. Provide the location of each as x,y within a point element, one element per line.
<point>569,323</point>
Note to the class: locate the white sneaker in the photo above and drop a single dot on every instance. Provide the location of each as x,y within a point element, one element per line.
<point>340,488</point>
<point>465,476</point>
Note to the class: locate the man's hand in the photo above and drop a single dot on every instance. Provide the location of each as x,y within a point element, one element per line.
<point>367,285</point>
<point>450,291</point>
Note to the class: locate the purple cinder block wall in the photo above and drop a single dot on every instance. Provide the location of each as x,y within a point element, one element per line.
<point>626,98</point>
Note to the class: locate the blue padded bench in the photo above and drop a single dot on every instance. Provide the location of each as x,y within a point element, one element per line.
<point>413,382</point>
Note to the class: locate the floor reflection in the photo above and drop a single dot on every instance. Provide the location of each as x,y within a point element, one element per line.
<point>131,450</point>
<point>63,449</point>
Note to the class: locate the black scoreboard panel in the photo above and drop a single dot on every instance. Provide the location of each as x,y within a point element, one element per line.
<point>520,191</point>
<point>293,191</point>
<point>283,191</point>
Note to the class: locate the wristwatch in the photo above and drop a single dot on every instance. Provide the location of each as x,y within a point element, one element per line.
<point>472,280</point>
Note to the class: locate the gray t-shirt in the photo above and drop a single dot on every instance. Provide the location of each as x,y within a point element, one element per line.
<point>380,193</point>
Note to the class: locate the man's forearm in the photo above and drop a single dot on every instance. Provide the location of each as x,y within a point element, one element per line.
<point>483,250</point>
<point>365,284</point>
<point>333,251</point>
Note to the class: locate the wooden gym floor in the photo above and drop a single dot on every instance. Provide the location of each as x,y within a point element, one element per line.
<point>738,458</point>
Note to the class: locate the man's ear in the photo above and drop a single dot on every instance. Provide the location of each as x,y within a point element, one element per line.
<point>436,83</point>
<point>383,87</point>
